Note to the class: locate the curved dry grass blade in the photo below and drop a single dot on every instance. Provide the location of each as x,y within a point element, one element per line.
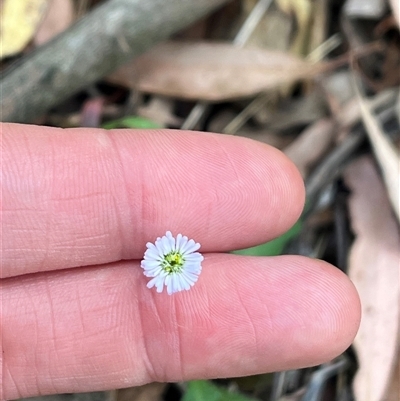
<point>385,152</point>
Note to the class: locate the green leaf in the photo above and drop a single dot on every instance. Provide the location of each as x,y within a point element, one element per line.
<point>274,247</point>
<point>131,122</point>
<point>203,390</point>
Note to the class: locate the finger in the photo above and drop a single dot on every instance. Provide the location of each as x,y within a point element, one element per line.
<point>100,328</point>
<point>86,196</point>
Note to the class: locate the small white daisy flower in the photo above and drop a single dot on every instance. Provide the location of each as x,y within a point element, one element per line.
<point>172,262</point>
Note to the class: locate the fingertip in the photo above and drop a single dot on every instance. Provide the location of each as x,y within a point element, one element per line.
<point>330,305</point>
<point>268,176</point>
<point>343,307</point>
<point>308,309</point>
<point>290,186</point>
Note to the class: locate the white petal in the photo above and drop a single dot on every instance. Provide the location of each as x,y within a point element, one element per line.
<point>167,283</point>
<point>178,242</point>
<point>172,288</point>
<point>194,257</point>
<point>176,283</point>
<point>185,281</point>
<point>181,280</point>
<point>192,266</point>
<point>159,246</point>
<point>153,254</point>
<point>151,247</point>
<point>171,240</point>
<point>150,263</point>
<point>166,245</point>
<point>186,245</point>
<point>190,247</point>
<point>196,262</point>
<point>152,273</point>
<point>153,282</point>
<point>191,277</point>
<point>160,284</point>
<point>184,240</point>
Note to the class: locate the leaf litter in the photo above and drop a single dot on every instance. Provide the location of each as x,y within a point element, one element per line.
<point>213,71</point>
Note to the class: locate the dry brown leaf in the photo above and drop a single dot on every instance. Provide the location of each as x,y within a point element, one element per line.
<point>310,146</point>
<point>374,269</point>
<point>18,23</point>
<point>59,17</point>
<point>212,71</point>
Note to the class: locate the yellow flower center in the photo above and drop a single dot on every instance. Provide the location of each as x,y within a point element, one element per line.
<point>173,262</point>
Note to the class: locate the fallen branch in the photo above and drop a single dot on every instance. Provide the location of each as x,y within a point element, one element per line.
<point>106,38</point>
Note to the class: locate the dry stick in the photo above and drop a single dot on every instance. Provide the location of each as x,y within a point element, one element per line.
<point>97,44</point>
<point>329,169</point>
<point>241,38</point>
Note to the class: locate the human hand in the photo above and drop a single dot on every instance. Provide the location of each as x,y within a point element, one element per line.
<point>78,208</point>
